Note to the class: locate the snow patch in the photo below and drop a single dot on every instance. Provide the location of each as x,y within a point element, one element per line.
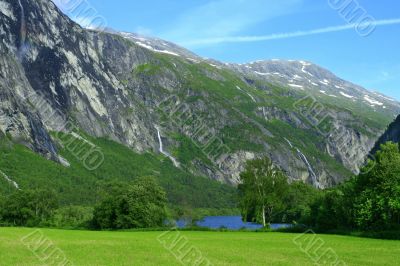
<point>304,63</point>
<point>384,97</point>
<point>262,74</point>
<point>128,35</point>
<point>296,86</point>
<point>156,50</point>
<point>325,82</point>
<point>278,74</point>
<point>346,95</point>
<point>339,87</point>
<point>214,66</point>
<point>193,60</point>
<point>372,101</point>
<point>303,69</point>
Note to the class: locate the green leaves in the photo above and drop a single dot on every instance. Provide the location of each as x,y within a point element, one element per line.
<point>377,197</point>
<point>369,201</point>
<point>141,204</point>
<point>28,207</point>
<point>262,191</point>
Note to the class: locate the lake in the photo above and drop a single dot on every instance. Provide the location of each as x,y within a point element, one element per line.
<point>229,222</point>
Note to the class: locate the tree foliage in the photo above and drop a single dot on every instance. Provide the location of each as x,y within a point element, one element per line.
<point>298,202</point>
<point>28,207</point>
<point>142,204</point>
<point>261,191</point>
<point>369,201</point>
<point>377,201</point>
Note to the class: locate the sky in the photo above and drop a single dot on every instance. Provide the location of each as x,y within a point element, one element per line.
<point>358,40</point>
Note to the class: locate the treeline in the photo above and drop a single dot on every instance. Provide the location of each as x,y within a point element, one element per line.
<point>369,201</point>
<point>139,204</point>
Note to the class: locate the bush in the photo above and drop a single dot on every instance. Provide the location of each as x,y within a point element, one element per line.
<point>29,208</point>
<point>73,217</point>
<point>141,204</point>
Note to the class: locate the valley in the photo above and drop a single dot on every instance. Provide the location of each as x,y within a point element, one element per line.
<point>118,86</point>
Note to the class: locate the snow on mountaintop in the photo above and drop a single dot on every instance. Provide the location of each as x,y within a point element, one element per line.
<point>296,74</point>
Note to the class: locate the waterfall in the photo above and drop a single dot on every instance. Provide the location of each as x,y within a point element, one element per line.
<point>310,169</point>
<point>161,149</point>
<point>160,141</point>
<point>22,46</point>
<point>290,144</point>
<point>9,180</point>
<point>307,163</point>
<point>251,96</point>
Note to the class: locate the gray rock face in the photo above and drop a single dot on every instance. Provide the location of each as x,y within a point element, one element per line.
<point>392,134</point>
<point>56,76</point>
<point>305,76</point>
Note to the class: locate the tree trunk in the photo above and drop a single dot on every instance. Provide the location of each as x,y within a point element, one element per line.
<point>263,215</point>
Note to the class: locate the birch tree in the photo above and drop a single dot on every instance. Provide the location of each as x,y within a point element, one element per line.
<point>261,191</point>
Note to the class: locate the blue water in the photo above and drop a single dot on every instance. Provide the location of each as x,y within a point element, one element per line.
<point>229,222</point>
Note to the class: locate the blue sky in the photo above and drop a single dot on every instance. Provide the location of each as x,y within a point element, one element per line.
<point>247,30</point>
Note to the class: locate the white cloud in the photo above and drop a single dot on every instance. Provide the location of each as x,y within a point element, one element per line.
<point>277,36</point>
<point>226,17</point>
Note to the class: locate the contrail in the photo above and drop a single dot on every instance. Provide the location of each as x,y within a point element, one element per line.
<point>278,36</point>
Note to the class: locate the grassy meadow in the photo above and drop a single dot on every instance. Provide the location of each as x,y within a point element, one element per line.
<point>26,246</point>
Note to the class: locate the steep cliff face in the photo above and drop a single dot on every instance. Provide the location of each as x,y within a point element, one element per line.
<point>209,117</point>
<point>392,133</point>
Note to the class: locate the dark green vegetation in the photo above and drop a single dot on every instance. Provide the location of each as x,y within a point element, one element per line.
<point>28,208</point>
<point>262,191</point>
<point>220,248</point>
<point>369,202</point>
<point>265,195</point>
<point>109,86</point>
<point>212,96</point>
<point>76,186</point>
<point>139,205</point>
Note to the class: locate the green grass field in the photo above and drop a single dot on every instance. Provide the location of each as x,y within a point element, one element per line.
<point>217,248</point>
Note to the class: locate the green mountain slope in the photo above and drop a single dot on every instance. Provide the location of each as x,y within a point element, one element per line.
<point>78,185</point>
<point>130,95</point>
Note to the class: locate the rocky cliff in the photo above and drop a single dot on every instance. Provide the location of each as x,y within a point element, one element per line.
<point>392,133</point>
<point>154,96</point>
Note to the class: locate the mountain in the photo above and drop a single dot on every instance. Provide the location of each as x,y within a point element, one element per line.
<point>392,134</point>
<point>205,117</point>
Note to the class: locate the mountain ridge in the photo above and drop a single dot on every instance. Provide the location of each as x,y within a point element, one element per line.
<point>392,134</point>
<point>122,86</point>
<point>174,49</point>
